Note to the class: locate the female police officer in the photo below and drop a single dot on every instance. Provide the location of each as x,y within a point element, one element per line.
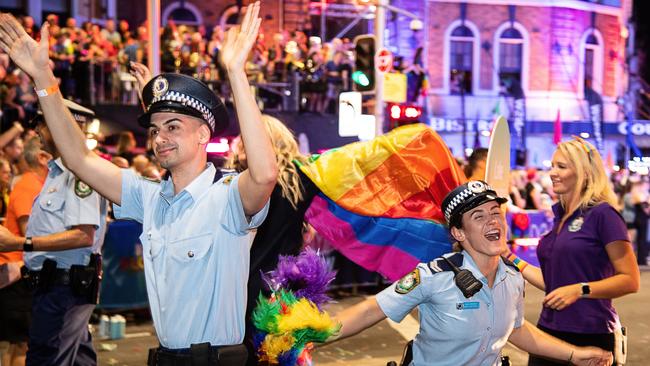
<point>194,237</point>
<point>470,302</point>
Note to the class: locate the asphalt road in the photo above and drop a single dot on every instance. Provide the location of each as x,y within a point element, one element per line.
<point>385,341</point>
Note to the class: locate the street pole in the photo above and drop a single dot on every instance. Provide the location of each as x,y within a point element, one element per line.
<point>323,9</point>
<point>153,50</point>
<point>380,25</point>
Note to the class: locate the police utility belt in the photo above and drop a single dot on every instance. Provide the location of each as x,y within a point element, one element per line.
<point>84,280</point>
<point>202,354</point>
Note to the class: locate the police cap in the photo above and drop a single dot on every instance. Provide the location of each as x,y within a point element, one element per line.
<point>80,114</point>
<point>466,197</point>
<point>183,94</point>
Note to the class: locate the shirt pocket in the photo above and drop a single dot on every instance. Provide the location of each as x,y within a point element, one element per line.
<point>457,317</point>
<point>190,249</point>
<point>51,203</point>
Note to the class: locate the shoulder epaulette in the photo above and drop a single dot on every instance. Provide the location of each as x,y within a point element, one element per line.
<point>509,263</point>
<point>222,172</point>
<point>440,265</point>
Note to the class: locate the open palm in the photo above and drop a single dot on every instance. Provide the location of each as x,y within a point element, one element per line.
<point>29,55</point>
<point>240,39</point>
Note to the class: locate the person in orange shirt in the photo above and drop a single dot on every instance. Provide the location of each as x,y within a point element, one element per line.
<point>15,295</point>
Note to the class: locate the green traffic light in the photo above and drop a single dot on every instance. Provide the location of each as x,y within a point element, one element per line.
<point>360,78</point>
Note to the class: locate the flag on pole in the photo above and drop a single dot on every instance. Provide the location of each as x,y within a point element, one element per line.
<point>557,129</point>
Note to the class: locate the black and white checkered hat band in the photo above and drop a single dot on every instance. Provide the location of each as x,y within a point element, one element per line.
<point>461,197</point>
<point>187,101</point>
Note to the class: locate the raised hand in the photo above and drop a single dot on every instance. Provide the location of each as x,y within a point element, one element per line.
<point>141,73</point>
<point>240,39</point>
<point>30,56</point>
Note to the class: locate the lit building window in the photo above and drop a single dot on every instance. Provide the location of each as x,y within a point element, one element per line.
<point>461,60</point>
<point>591,48</point>
<point>511,44</point>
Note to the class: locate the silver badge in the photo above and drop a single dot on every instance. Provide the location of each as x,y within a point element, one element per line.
<point>576,224</point>
<point>160,86</point>
<point>476,186</point>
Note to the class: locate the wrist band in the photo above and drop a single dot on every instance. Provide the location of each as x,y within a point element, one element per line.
<point>47,91</point>
<point>518,262</point>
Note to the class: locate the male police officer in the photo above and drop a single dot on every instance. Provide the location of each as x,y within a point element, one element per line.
<point>471,302</point>
<point>64,236</point>
<point>194,229</point>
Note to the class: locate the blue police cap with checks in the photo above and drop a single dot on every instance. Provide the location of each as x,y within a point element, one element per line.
<point>466,197</point>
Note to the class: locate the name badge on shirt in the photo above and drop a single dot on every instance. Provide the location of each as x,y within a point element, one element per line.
<point>576,224</point>
<point>468,305</point>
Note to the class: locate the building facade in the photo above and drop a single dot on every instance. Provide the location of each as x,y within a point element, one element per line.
<point>558,59</point>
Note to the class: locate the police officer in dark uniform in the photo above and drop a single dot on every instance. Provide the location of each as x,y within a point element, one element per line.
<point>62,248</point>
<point>470,302</point>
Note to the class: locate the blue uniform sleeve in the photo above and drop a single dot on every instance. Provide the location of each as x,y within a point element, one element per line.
<point>133,187</point>
<point>519,317</point>
<point>611,226</point>
<point>236,221</point>
<point>399,299</point>
<point>82,204</point>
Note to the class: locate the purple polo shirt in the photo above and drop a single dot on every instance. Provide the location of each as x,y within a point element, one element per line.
<point>578,255</point>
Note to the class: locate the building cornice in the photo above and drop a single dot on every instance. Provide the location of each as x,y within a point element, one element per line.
<point>571,4</point>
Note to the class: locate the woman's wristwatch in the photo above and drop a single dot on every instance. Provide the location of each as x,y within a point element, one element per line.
<point>586,289</point>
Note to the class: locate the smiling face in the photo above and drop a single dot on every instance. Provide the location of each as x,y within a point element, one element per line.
<point>483,230</point>
<point>563,175</point>
<point>177,138</point>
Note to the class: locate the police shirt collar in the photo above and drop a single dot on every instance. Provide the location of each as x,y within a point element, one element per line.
<point>195,189</point>
<point>502,270</point>
<point>56,166</point>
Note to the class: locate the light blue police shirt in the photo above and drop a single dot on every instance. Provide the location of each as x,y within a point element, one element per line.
<point>196,256</point>
<point>455,330</point>
<point>65,202</point>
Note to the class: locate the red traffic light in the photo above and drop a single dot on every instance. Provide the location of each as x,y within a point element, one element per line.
<point>405,113</point>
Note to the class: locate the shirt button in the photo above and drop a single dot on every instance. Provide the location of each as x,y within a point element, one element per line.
<point>49,203</point>
<point>483,349</point>
<point>190,254</point>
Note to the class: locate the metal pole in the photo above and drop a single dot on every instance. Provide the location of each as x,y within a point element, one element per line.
<point>281,16</point>
<point>380,24</point>
<point>323,9</point>
<point>153,50</point>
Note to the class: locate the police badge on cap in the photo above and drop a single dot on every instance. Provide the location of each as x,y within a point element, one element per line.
<point>183,94</point>
<point>466,197</point>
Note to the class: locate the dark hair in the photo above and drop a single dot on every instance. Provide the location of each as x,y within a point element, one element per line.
<point>479,154</point>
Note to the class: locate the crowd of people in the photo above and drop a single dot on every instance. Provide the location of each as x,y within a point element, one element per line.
<point>193,213</point>
<point>93,63</point>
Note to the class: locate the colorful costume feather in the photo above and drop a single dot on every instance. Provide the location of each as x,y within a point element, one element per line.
<point>290,320</point>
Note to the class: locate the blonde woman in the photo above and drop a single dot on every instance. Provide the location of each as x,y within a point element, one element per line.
<point>586,259</point>
<point>281,232</point>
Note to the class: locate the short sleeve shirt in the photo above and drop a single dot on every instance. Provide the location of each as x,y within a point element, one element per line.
<point>21,200</point>
<point>195,250</point>
<point>63,203</point>
<point>577,254</point>
<point>455,330</point>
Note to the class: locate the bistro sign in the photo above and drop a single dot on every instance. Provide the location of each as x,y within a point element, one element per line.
<point>451,125</point>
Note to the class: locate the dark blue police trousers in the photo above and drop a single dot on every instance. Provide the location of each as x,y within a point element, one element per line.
<point>59,332</point>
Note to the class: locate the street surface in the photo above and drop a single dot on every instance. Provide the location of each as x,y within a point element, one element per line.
<point>385,341</point>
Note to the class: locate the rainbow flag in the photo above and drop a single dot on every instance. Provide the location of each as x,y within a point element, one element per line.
<point>380,200</point>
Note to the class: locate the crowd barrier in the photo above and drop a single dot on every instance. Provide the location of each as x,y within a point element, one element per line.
<point>123,284</point>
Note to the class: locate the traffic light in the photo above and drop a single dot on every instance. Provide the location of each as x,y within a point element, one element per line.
<point>364,64</point>
<point>403,114</point>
